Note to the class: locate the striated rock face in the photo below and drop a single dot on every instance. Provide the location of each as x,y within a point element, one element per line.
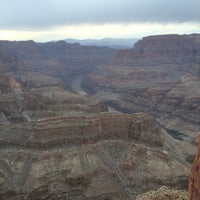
<point>57,145</point>
<point>8,84</point>
<point>160,76</point>
<point>86,157</point>
<point>194,182</point>
<point>36,64</point>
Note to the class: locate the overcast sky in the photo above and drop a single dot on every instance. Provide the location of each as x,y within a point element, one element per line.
<point>44,20</point>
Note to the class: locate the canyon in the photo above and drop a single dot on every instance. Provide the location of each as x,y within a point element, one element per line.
<point>60,137</point>
<point>59,145</point>
<point>160,75</point>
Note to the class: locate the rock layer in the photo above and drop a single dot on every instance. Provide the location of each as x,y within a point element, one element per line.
<point>88,157</point>
<point>160,76</point>
<point>36,64</point>
<point>56,145</point>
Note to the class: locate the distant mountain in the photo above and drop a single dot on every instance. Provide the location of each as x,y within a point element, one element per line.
<point>116,43</point>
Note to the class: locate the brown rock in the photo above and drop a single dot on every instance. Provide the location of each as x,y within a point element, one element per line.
<point>67,146</point>
<point>60,145</point>
<point>78,156</point>
<point>57,59</point>
<point>9,84</point>
<point>159,76</point>
<point>194,182</point>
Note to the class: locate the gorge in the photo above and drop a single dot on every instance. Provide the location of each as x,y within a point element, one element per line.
<point>159,76</point>
<point>59,140</point>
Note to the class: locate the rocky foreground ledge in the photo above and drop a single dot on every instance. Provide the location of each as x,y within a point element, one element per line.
<point>194,182</point>
<point>165,193</point>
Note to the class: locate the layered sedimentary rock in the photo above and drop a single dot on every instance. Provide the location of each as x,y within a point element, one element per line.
<point>80,157</point>
<point>32,63</point>
<point>194,182</point>
<point>58,145</point>
<point>160,76</point>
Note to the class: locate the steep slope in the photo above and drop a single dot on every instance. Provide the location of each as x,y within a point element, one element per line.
<point>194,186</point>
<point>60,60</point>
<point>58,145</point>
<point>160,76</point>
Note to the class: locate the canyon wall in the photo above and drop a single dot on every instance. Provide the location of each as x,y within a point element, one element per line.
<point>58,145</point>
<point>55,144</point>
<point>159,76</point>
<point>38,64</point>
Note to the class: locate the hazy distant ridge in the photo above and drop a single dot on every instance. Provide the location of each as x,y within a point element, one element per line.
<point>116,43</point>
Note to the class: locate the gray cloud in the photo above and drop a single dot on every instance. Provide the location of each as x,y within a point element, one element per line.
<point>37,14</point>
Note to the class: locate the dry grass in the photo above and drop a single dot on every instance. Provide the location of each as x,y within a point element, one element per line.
<point>165,193</point>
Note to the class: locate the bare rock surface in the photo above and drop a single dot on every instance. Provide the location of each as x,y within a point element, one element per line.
<point>160,76</point>
<point>58,145</point>
<point>194,182</point>
<point>36,64</point>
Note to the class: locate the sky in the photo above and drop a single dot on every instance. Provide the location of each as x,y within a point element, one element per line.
<point>47,20</point>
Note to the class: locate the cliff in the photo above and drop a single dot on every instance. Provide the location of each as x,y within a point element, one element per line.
<point>99,156</point>
<point>194,186</point>
<point>58,145</point>
<point>159,76</point>
<point>57,59</point>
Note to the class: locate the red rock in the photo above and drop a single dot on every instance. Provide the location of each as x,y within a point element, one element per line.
<point>194,182</point>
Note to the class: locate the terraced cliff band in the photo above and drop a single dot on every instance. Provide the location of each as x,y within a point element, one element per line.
<point>159,76</point>
<point>57,145</point>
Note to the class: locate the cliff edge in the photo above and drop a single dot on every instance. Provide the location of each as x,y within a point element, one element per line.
<point>194,182</point>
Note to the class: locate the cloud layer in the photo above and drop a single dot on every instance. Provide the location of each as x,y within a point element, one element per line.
<point>39,14</point>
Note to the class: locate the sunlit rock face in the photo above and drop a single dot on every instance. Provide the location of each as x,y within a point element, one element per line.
<point>160,76</point>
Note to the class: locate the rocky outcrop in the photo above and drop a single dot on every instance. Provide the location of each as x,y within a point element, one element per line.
<point>8,84</point>
<point>164,193</point>
<point>77,156</point>
<point>160,76</point>
<point>37,80</point>
<point>194,182</point>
